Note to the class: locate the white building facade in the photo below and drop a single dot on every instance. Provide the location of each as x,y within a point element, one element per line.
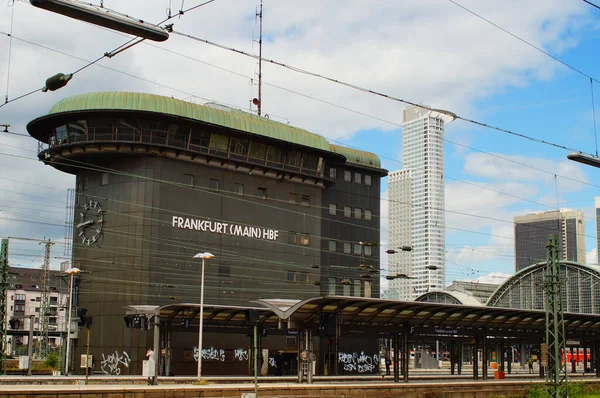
<point>24,300</point>
<point>423,156</point>
<point>400,233</point>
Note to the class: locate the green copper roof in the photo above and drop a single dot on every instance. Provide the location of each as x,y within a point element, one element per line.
<point>357,157</point>
<point>216,115</point>
<point>223,116</point>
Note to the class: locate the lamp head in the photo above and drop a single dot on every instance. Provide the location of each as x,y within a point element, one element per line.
<point>204,255</point>
<point>73,270</point>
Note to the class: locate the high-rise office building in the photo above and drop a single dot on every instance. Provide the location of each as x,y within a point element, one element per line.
<point>532,231</point>
<point>423,147</point>
<point>400,233</point>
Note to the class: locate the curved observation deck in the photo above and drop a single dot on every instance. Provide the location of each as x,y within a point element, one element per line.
<point>116,123</point>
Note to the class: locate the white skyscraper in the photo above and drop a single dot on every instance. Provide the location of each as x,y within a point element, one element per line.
<point>423,156</point>
<point>400,233</point>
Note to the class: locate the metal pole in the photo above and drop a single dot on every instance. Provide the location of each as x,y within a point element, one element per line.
<point>255,361</point>
<point>157,349</point>
<point>87,356</point>
<point>70,309</point>
<point>30,344</point>
<point>201,322</point>
<point>3,303</point>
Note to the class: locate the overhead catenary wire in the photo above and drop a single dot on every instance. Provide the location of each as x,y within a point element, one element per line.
<point>377,93</point>
<point>592,4</point>
<point>12,19</point>
<point>447,227</point>
<point>526,42</point>
<point>594,115</point>
<point>85,165</point>
<point>125,46</point>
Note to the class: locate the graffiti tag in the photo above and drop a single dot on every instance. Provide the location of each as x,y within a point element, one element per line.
<point>361,363</point>
<point>111,364</point>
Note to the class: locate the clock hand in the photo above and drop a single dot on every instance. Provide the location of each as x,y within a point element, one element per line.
<point>83,224</point>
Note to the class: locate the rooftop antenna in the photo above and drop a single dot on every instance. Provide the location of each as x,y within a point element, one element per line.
<point>258,101</point>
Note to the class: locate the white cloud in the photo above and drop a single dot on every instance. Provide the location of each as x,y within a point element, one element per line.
<point>591,257</point>
<point>523,168</point>
<point>496,278</point>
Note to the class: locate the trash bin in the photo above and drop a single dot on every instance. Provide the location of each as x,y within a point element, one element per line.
<point>498,375</point>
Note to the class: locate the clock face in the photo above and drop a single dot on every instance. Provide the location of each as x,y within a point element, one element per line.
<point>90,225</point>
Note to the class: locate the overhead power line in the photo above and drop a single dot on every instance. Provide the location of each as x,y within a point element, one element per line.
<point>377,93</point>
<point>592,4</point>
<point>525,41</point>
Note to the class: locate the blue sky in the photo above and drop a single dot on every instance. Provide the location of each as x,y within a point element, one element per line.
<point>428,51</point>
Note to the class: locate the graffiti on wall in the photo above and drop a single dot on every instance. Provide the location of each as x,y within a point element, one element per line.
<point>210,353</point>
<point>111,364</point>
<point>361,363</point>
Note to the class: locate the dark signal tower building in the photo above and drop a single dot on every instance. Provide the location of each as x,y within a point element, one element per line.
<point>286,214</point>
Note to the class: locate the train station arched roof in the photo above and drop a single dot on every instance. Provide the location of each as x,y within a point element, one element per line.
<point>580,289</point>
<point>449,297</point>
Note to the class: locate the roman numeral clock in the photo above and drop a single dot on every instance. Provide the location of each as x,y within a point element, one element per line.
<point>90,225</point>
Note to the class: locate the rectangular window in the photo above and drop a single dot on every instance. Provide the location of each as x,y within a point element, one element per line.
<point>368,182</point>
<point>292,237</point>
<point>238,188</point>
<point>332,284</point>
<point>333,173</point>
<point>332,246</point>
<point>20,297</point>
<point>346,290</point>
<point>358,213</point>
<point>347,175</point>
<point>293,198</point>
<point>104,179</point>
<point>304,239</point>
<point>274,156</point>
<point>258,152</point>
<point>199,140</point>
<point>219,144</point>
<point>357,248</point>
<point>261,193</point>
<point>238,147</point>
<point>213,184</point>
<point>188,179</point>
<point>347,211</point>
<point>357,286</point>
<point>302,277</point>
<point>368,287</point>
<point>85,183</point>
<point>368,215</point>
<point>367,250</point>
<point>291,276</point>
<point>347,247</point>
<point>305,200</point>
<point>294,159</point>
<point>224,270</point>
<point>332,209</point>
<point>358,178</point>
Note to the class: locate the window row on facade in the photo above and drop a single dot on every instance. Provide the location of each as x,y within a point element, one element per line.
<point>350,248</point>
<point>350,288</point>
<point>348,212</point>
<point>187,137</point>
<point>350,176</point>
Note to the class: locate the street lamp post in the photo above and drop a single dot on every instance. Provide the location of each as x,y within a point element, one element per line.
<point>71,272</point>
<point>203,256</point>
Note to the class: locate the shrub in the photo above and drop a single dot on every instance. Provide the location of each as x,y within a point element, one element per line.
<point>52,360</point>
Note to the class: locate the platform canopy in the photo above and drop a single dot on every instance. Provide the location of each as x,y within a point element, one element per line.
<point>377,316</point>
